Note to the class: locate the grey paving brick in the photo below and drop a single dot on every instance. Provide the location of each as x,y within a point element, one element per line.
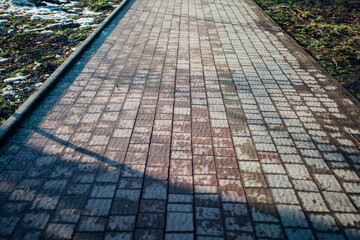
<point>268,230</point>
<point>92,224</point>
<point>97,207</point>
<point>292,216</point>
<point>178,222</point>
<point>323,222</point>
<point>121,223</point>
<point>36,220</point>
<point>293,233</point>
<point>8,225</point>
<point>59,231</point>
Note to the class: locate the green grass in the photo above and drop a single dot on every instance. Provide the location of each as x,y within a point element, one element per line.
<point>328,29</point>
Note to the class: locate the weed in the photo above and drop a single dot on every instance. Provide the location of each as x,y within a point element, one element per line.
<point>61,60</point>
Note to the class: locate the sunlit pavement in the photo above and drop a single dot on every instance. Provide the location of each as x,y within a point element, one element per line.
<point>194,119</point>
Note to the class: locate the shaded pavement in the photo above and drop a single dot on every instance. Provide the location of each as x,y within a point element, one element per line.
<point>194,119</point>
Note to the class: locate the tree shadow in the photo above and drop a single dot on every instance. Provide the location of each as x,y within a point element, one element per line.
<point>87,193</point>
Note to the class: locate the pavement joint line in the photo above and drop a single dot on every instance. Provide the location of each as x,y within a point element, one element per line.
<point>19,115</point>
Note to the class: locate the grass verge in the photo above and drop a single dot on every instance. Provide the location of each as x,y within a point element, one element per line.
<point>328,29</point>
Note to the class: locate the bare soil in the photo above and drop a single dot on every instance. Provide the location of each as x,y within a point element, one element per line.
<point>36,55</point>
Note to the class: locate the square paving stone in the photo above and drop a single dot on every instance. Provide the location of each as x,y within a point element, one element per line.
<point>13,208</point>
<point>313,202</point>
<point>278,181</point>
<point>92,224</point>
<point>59,231</point>
<point>292,216</point>
<point>234,209</point>
<point>155,190</point>
<point>259,195</point>
<point>179,222</point>
<point>339,202</point>
<point>323,222</point>
<point>209,227</point>
<point>54,186</point>
<point>130,183</point>
<point>263,213</point>
<point>348,219</point>
<point>300,234</point>
<point>239,224</point>
<point>8,224</point>
<point>179,207</point>
<point>207,213</point>
<point>330,236</point>
<point>284,196</point>
<point>129,195</point>
<point>124,207</point>
<point>78,189</point>
<point>27,234</point>
<point>36,220</point>
<point>151,220</point>
<point>207,200</point>
<point>305,185</point>
<point>240,236</point>
<point>156,206</point>
<point>327,182</point>
<point>67,215</point>
<point>144,234</point>
<point>45,202</point>
<point>119,235</point>
<point>352,234</point>
<point>97,207</point>
<point>103,191</point>
<point>121,223</point>
<point>179,236</point>
<point>267,230</point>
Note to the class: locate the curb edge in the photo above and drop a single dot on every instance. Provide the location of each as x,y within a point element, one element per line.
<point>26,107</point>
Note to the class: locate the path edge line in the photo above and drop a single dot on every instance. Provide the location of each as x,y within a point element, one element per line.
<point>19,115</point>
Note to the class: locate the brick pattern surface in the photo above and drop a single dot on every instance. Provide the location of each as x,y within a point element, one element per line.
<point>194,119</point>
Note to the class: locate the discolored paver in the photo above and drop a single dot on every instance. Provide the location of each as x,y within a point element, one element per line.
<point>194,119</point>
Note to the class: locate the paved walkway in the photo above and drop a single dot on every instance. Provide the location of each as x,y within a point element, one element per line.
<point>194,119</point>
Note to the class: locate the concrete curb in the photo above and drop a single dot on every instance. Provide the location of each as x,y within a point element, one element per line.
<point>25,108</point>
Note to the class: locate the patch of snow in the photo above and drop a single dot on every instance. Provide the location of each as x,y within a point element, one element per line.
<point>67,20</point>
<point>85,21</point>
<point>14,79</point>
<point>16,2</point>
<point>37,65</point>
<point>89,26</point>
<point>87,12</point>
<point>8,93</point>
<point>71,4</point>
<point>46,32</point>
